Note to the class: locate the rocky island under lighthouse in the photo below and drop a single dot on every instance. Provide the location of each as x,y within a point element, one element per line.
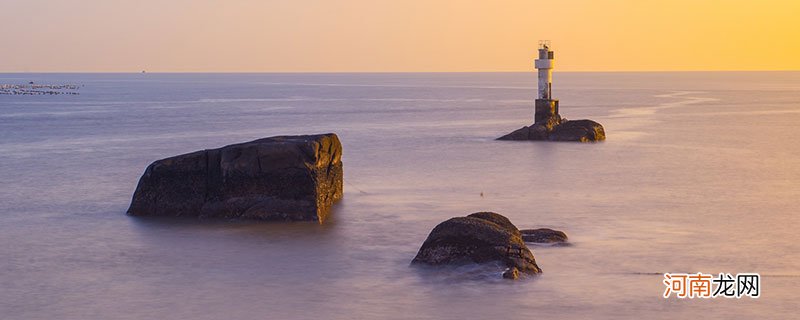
<point>548,124</point>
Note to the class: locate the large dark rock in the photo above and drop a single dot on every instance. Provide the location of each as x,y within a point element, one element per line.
<point>276,178</point>
<point>478,238</point>
<point>543,235</point>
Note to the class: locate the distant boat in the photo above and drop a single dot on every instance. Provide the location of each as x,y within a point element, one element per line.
<point>144,71</point>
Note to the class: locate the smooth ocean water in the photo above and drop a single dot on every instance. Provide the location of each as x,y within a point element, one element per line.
<point>699,174</point>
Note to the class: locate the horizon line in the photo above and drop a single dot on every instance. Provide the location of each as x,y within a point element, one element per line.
<point>379,72</point>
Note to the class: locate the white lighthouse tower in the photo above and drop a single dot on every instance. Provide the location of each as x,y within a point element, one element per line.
<point>546,106</point>
<point>545,66</point>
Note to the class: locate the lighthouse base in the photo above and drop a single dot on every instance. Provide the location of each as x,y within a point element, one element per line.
<point>548,125</point>
<point>546,110</point>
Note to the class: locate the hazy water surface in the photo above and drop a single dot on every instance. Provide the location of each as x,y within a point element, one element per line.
<point>699,174</point>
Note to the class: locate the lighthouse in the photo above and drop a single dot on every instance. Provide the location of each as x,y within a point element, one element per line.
<point>547,124</point>
<point>546,106</point>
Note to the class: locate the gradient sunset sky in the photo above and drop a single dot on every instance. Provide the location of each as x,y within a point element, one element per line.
<point>402,35</point>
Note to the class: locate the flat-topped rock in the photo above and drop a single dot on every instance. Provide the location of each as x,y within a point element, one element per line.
<point>294,178</point>
<point>478,238</point>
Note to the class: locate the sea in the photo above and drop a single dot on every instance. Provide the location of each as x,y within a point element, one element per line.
<point>700,173</point>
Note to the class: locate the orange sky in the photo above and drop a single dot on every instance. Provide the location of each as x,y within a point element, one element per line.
<point>397,35</point>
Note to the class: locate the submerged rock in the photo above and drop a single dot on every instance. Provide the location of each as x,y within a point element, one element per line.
<point>276,178</point>
<point>478,238</point>
<point>543,235</point>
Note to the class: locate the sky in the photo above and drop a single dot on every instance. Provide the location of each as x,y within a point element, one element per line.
<point>396,36</point>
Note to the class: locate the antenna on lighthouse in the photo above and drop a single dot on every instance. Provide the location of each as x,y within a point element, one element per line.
<point>544,44</point>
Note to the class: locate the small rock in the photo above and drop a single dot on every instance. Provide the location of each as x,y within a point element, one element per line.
<point>543,235</point>
<point>511,273</point>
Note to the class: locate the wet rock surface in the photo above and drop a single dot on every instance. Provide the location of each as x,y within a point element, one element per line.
<point>482,237</point>
<point>295,178</point>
